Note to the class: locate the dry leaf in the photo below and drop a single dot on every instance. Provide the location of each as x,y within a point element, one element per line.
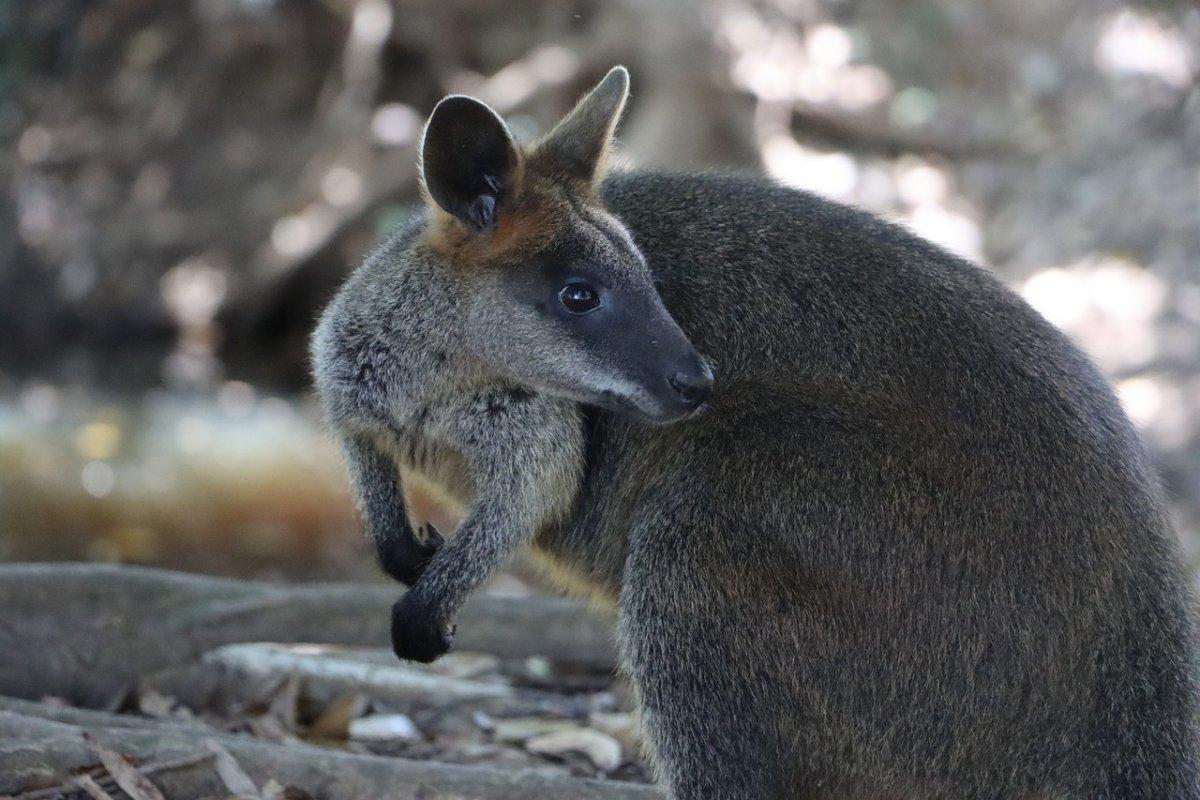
<point>155,704</point>
<point>285,702</point>
<point>132,782</point>
<point>232,775</point>
<point>86,783</point>
<point>271,729</point>
<point>334,722</point>
<point>276,791</point>
<point>601,749</point>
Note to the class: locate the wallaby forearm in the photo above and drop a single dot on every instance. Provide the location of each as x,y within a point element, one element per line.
<point>380,497</point>
<point>525,456</point>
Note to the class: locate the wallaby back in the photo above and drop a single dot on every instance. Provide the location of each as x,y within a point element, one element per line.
<point>914,550</point>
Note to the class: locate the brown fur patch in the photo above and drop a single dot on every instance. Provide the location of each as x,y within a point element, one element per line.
<point>524,226</point>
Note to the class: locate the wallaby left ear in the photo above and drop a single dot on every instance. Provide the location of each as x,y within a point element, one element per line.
<point>470,165</point>
<point>578,145</point>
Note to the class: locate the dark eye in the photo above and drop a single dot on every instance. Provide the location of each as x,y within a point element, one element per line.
<point>579,298</point>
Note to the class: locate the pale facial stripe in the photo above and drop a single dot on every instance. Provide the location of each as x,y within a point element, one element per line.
<point>608,227</point>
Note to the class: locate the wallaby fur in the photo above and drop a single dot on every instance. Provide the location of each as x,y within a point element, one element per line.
<point>910,547</point>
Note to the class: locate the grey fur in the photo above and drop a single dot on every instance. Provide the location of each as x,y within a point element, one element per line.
<point>911,549</point>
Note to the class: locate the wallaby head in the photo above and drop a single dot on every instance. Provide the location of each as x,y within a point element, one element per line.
<point>556,293</point>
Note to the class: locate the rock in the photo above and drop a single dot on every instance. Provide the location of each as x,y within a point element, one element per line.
<point>384,728</point>
<point>601,749</point>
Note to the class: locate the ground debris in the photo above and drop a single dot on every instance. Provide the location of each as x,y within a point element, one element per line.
<point>601,749</point>
<point>385,727</point>
<point>127,776</point>
<point>232,775</point>
<point>285,715</point>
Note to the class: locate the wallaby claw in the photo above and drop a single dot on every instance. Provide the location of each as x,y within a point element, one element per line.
<point>417,634</point>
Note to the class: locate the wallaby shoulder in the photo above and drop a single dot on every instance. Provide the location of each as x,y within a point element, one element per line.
<point>793,294</point>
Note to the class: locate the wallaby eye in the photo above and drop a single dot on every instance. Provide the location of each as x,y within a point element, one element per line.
<point>579,298</point>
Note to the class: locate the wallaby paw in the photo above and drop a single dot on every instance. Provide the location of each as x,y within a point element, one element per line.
<point>406,563</point>
<point>417,634</point>
<point>433,538</point>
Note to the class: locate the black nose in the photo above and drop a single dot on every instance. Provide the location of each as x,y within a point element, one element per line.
<point>692,386</point>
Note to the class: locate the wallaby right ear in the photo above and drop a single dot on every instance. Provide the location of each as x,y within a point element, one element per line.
<point>470,165</point>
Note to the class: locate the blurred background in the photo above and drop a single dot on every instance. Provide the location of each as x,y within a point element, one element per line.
<point>186,182</point>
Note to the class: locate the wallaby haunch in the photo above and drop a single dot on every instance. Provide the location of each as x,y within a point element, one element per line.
<point>905,545</point>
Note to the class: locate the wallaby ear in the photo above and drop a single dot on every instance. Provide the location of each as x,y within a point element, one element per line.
<point>470,164</point>
<point>579,144</point>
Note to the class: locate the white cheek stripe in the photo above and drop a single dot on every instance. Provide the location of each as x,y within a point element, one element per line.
<point>615,226</point>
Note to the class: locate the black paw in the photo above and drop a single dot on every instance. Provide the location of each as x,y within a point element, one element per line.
<point>405,560</point>
<point>418,634</point>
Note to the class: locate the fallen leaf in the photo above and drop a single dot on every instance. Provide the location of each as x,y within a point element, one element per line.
<point>232,775</point>
<point>518,729</point>
<point>622,726</point>
<point>132,782</point>
<point>601,749</point>
<point>155,704</point>
<point>285,702</point>
<point>334,722</point>
<point>271,729</point>
<point>465,665</point>
<point>276,791</point>
<point>93,789</point>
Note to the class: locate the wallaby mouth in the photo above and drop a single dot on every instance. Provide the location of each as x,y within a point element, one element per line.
<point>688,387</point>
<point>668,379</point>
<point>673,394</point>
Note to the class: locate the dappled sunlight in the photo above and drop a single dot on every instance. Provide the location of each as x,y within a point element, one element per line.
<point>1142,43</point>
<point>395,124</point>
<point>778,64</point>
<point>1107,304</point>
<point>298,234</point>
<point>194,289</point>
<point>952,228</point>
<point>247,484</point>
<point>1111,307</point>
<point>1160,408</point>
<point>514,84</point>
<point>834,175</point>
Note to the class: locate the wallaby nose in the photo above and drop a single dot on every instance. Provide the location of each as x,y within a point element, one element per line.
<point>692,386</point>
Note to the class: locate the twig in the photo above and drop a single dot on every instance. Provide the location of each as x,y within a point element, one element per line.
<point>107,782</point>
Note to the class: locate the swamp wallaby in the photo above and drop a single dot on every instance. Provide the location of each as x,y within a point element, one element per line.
<point>906,544</point>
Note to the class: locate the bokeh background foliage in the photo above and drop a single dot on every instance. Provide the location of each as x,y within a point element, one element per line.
<point>187,181</point>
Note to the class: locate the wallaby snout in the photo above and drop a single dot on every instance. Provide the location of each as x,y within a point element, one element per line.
<point>692,384</point>
<point>669,389</point>
<point>664,378</point>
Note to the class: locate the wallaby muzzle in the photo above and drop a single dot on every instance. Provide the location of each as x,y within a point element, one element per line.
<point>676,379</point>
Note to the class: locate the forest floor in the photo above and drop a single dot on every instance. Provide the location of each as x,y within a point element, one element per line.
<point>186,699</point>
